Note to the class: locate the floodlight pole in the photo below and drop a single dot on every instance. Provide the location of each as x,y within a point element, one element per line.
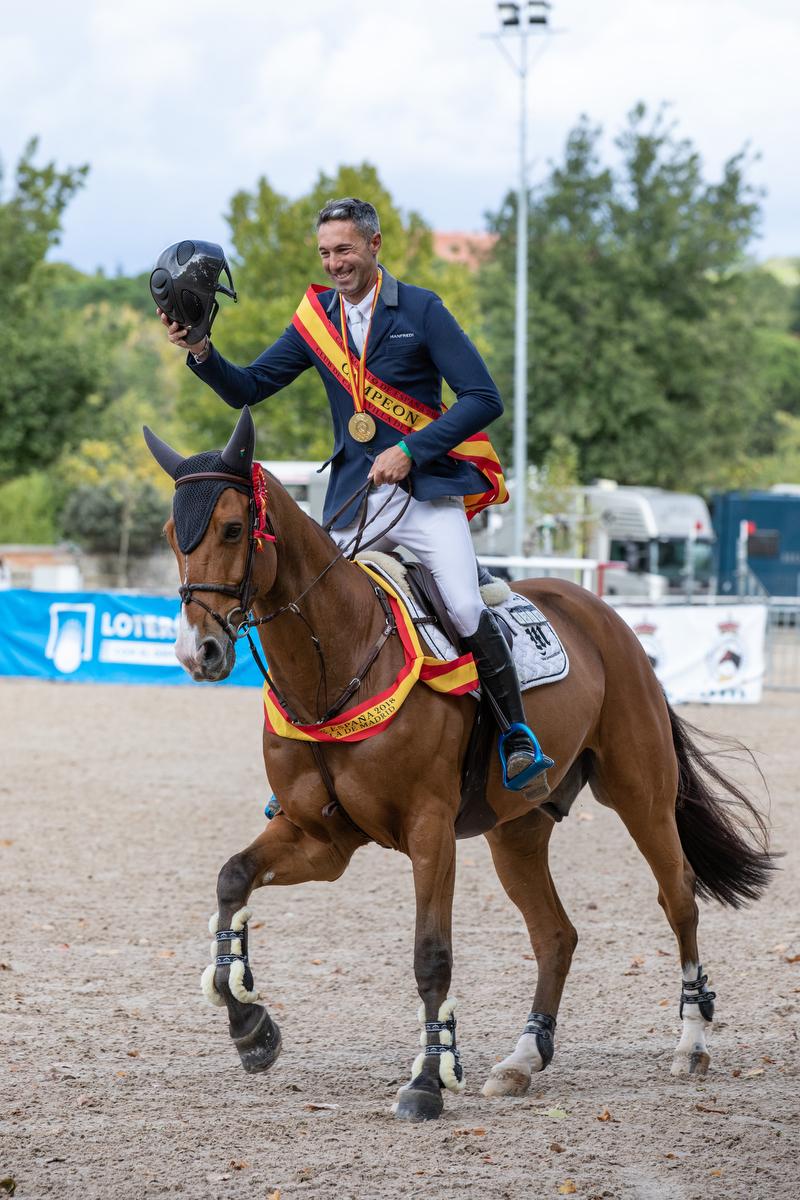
<point>521,19</point>
<point>521,315</point>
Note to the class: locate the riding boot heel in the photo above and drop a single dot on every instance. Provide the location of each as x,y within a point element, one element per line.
<point>521,756</point>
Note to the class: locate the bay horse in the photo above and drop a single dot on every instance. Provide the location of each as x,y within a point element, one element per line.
<point>607,724</point>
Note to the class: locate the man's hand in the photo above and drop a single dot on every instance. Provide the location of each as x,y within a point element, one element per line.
<point>177,334</point>
<point>390,466</point>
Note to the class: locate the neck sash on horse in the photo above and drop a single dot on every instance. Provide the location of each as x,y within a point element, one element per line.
<point>389,404</point>
<point>456,677</point>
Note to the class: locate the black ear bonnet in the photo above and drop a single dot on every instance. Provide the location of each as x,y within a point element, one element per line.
<point>194,502</point>
<point>185,282</point>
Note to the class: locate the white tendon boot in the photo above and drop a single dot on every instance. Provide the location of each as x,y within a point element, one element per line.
<point>697,1013</point>
<point>236,958</point>
<point>533,1052</point>
<point>451,1073</point>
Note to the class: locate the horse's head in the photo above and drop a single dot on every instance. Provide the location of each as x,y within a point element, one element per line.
<point>218,531</point>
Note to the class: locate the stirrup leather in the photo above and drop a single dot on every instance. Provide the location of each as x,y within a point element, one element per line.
<point>541,762</point>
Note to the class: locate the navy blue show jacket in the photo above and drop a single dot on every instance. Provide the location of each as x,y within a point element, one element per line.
<point>414,343</point>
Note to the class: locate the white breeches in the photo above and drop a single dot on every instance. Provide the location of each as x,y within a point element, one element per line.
<point>437,532</point>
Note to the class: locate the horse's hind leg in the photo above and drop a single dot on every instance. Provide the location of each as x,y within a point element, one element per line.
<point>519,850</point>
<point>282,854</point>
<point>650,820</point>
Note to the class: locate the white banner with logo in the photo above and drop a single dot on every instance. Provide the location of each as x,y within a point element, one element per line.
<point>703,654</point>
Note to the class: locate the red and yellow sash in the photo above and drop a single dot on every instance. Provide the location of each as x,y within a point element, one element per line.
<point>456,677</point>
<point>389,404</point>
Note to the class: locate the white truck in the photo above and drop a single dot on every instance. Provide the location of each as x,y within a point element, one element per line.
<point>648,542</point>
<point>664,539</point>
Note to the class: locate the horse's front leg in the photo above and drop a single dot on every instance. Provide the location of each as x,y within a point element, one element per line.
<point>432,849</point>
<point>282,854</point>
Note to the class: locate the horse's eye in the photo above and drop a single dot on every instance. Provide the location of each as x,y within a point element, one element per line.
<point>232,531</point>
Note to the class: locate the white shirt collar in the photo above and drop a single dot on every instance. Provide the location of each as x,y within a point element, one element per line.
<point>364,305</point>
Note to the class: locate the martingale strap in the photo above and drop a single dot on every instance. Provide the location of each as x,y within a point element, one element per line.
<point>392,406</point>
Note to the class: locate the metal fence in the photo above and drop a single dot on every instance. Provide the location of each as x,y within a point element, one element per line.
<point>782,671</point>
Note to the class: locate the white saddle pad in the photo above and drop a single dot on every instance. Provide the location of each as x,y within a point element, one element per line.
<point>536,648</point>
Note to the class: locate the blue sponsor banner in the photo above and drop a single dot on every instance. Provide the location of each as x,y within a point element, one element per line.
<point>98,637</point>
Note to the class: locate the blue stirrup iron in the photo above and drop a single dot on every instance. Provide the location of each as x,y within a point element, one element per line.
<point>272,807</point>
<point>540,763</point>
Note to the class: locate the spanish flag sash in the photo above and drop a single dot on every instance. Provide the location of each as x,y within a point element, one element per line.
<point>389,404</point>
<point>456,678</point>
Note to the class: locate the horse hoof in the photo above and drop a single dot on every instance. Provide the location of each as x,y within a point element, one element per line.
<point>506,1081</point>
<point>694,1065</point>
<point>418,1104</point>
<point>259,1049</point>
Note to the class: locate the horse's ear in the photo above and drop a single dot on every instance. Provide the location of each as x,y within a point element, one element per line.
<point>238,454</point>
<point>168,459</point>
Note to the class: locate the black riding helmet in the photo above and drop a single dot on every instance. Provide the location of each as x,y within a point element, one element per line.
<point>185,282</point>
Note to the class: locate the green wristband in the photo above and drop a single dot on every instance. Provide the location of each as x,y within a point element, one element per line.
<point>402,446</point>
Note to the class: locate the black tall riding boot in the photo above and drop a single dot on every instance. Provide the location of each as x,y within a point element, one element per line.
<point>520,753</point>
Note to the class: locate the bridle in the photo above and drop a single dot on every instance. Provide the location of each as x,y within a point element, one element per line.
<point>243,591</point>
<point>261,528</point>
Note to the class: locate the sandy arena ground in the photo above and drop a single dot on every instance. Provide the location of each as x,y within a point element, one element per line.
<point>117,808</point>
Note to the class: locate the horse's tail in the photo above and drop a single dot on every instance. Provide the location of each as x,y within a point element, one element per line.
<point>723,835</point>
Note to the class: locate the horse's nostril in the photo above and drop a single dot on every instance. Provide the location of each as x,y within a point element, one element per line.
<point>210,652</point>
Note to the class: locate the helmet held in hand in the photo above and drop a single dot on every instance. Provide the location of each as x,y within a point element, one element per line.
<point>185,282</point>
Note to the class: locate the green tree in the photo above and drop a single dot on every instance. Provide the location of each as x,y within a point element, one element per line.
<point>119,516</point>
<point>50,363</point>
<point>276,259</point>
<point>72,290</point>
<point>782,465</point>
<point>642,341</point>
<point>115,496</point>
<point>28,510</point>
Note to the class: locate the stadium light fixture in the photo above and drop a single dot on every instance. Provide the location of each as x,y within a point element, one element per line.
<point>521,21</point>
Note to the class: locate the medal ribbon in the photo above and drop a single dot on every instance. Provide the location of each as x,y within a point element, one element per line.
<point>357,380</point>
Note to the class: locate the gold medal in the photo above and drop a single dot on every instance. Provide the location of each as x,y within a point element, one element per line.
<point>361,427</point>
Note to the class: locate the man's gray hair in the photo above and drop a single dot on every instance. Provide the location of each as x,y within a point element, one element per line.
<point>360,212</point>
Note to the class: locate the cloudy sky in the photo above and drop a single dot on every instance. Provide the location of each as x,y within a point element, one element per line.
<point>177,106</point>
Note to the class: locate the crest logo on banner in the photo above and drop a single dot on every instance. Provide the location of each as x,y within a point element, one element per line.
<point>725,661</point>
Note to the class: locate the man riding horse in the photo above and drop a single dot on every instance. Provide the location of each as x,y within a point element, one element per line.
<point>395,434</point>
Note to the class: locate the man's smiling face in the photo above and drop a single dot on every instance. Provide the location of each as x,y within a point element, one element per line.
<point>350,260</point>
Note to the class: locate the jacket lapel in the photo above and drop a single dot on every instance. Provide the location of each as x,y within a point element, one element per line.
<point>383,317</point>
